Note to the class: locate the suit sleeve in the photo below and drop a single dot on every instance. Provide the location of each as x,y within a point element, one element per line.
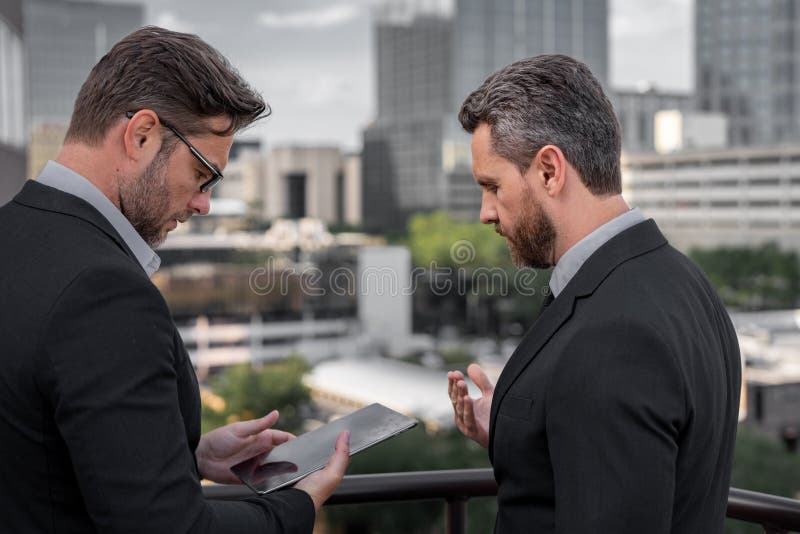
<point>112,383</point>
<point>615,409</point>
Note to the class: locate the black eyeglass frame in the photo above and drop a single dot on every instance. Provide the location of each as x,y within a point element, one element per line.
<point>216,176</point>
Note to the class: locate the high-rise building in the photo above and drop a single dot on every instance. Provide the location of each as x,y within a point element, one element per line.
<point>490,34</point>
<point>402,148</point>
<point>12,104</point>
<point>747,67</point>
<point>416,157</point>
<point>636,112</point>
<point>63,41</point>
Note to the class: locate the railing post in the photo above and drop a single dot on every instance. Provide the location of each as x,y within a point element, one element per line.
<point>456,516</point>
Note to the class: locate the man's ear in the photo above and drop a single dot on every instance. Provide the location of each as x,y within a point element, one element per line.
<point>550,168</point>
<point>142,137</point>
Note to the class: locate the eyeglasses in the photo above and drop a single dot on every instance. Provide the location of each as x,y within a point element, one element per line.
<point>216,176</point>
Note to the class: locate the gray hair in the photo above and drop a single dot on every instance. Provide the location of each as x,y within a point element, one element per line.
<point>550,100</point>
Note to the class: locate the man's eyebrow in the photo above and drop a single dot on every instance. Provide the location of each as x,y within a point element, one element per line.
<point>484,181</point>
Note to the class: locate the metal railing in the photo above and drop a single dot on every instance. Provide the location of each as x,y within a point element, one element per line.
<point>775,514</point>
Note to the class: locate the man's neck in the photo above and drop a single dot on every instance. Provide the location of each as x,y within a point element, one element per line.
<point>90,163</point>
<point>585,218</point>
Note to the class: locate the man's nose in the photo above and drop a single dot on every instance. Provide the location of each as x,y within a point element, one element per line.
<point>200,203</point>
<point>488,210</point>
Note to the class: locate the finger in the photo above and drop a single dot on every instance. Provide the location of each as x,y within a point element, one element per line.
<point>480,379</point>
<point>452,377</point>
<point>279,436</point>
<point>254,426</point>
<point>469,417</point>
<point>452,380</point>
<point>341,456</point>
<point>264,443</point>
<point>461,390</point>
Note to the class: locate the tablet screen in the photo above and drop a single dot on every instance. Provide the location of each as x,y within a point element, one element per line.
<point>289,462</point>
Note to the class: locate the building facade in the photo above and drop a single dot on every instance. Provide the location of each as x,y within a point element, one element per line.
<point>636,110</point>
<point>63,41</point>
<point>724,197</point>
<point>489,34</point>
<point>747,67</point>
<point>316,182</point>
<point>402,148</point>
<point>12,100</point>
<point>416,157</point>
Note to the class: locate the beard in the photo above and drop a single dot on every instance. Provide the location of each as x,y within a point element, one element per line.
<point>145,201</point>
<point>533,239</point>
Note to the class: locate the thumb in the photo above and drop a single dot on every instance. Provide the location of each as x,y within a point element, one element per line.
<point>341,456</point>
<point>480,379</point>
<point>254,426</point>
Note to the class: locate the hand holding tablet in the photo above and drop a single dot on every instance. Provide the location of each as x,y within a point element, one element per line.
<point>309,452</point>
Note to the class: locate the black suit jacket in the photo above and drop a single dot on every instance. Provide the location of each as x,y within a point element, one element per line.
<point>99,404</point>
<point>618,411</point>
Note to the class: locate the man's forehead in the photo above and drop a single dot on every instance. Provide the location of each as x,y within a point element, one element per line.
<point>215,148</point>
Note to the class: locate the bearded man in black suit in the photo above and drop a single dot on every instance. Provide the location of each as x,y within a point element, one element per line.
<point>99,403</point>
<point>618,411</point>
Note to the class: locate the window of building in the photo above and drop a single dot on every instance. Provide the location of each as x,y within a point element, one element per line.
<point>296,188</point>
<point>763,182</point>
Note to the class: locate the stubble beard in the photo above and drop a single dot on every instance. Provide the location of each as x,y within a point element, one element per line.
<point>145,201</point>
<point>533,239</point>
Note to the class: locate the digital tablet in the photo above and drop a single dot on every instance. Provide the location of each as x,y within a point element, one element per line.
<point>289,462</point>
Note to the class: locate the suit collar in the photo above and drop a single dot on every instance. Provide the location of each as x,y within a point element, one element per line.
<point>43,197</point>
<point>633,242</point>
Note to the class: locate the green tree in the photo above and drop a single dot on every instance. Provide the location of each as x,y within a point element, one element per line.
<point>764,465</point>
<point>249,392</point>
<point>752,278</point>
<point>487,292</point>
<point>436,237</point>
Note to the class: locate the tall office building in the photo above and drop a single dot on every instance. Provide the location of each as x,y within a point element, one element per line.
<point>416,157</point>
<point>12,105</point>
<point>747,67</point>
<point>63,40</point>
<point>490,34</point>
<point>402,148</point>
<point>636,110</point>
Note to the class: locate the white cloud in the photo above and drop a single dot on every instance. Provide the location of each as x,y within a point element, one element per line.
<point>313,18</point>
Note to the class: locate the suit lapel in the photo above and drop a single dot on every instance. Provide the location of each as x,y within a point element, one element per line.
<point>43,197</point>
<point>634,241</point>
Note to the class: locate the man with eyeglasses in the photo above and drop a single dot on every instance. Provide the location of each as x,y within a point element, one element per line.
<point>99,403</point>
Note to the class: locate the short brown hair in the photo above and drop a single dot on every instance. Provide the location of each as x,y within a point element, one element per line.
<point>177,75</point>
<point>550,100</point>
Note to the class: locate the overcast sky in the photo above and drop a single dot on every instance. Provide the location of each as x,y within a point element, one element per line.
<point>312,59</point>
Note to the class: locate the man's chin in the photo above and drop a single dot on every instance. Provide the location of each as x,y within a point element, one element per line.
<point>156,241</point>
<point>527,261</point>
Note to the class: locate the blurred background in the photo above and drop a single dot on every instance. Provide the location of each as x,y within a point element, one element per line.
<point>343,263</point>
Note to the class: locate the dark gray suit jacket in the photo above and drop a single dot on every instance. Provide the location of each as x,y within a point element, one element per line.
<point>99,404</point>
<point>618,411</point>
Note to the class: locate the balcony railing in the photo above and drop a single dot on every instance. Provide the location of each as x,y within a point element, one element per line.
<point>775,514</point>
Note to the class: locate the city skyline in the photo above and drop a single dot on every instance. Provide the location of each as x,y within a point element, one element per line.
<point>313,60</point>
